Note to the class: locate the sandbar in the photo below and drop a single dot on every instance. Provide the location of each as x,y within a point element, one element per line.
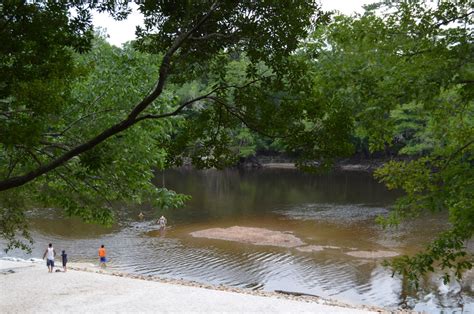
<point>316,248</point>
<point>372,254</point>
<point>256,236</point>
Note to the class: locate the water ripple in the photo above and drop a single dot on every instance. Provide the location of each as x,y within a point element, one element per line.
<point>332,212</point>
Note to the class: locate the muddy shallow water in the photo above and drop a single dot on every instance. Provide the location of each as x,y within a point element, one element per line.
<point>339,256</point>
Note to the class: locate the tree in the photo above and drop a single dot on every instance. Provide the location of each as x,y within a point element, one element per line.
<point>84,131</point>
<point>410,63</point>
<point>61,138</point>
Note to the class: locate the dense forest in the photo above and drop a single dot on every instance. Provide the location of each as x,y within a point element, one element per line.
<point>84,124</point>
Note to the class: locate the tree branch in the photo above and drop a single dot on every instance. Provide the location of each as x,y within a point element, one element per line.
<point>189,102</point>
<point>446,22</point>
<point>89,104</point>
<point>85,117</point>
<point>177,110</point>
<point>208,36</point>
<point>55,145</point>
<point>11,166</point>
<point>10,113</point>
<point>68,182</point>
<point>165,66</point>
<point>242,119</point>
<point>71,185</point>
<point>33,156</point>
<point>459,150</point>
<point>120,126</point>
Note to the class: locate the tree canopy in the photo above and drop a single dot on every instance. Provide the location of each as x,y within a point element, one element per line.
<point>406,77</point>
<point>58,107</point>
<point>83,124</point>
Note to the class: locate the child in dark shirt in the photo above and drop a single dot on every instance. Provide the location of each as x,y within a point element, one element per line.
<point>64,256</point>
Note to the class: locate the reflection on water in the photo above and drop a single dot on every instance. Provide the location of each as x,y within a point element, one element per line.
<point>334,211</point>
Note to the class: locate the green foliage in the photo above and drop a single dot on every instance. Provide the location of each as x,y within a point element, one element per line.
<point>169,199</point>
<point>246,143</point>
<point>447,252</point>
<point>214,82</point>
<point>67,139</point>
<point>13,222</point>
<point>95,184</point>
<point>36,66</point>
<point>410,80</point>
<point>411,129</point>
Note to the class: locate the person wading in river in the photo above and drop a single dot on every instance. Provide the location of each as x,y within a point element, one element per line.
<point>50,253</point>
<point>162,222</point>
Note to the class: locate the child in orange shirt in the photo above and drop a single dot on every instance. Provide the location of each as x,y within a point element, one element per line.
<point>102,256</point>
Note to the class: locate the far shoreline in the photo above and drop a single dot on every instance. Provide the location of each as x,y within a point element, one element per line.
<point>351,164</point>
<point>355,167</point>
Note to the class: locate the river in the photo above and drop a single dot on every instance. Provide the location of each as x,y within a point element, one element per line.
<point>334,212</point>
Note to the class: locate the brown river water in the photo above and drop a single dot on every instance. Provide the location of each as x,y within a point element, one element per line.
<point>332,214</point>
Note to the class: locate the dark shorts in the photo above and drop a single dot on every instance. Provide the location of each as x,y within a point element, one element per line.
<point>49,263</point>
<point>103,260</point>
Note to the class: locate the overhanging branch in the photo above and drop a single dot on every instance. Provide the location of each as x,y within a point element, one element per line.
<point>177,110</point>
<point>120,126</point>
<point>189,102</point>
<point>240,117</point>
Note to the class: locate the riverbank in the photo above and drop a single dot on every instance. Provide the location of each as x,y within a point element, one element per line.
<point>350,164</point>
<point>27,287</point>
<point>346,166</point>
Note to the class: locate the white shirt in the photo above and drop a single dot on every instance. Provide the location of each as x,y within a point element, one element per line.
<point>50,254</point>
<point>162,221</point>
